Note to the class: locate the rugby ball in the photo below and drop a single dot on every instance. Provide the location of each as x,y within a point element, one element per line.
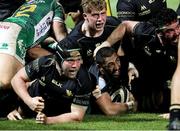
<point>120,95</point>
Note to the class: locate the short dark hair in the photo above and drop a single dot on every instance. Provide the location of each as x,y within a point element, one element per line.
<point>103,53</point>
<point>165,17</point>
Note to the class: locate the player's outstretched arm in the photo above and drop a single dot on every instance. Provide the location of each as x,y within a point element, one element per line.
<point>76,115</point>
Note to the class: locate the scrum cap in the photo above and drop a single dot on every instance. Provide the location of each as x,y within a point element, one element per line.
<point>69,53</point>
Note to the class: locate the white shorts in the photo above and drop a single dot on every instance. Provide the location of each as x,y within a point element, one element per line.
<point>10,42</point>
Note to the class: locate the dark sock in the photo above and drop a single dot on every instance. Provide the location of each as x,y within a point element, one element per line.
<point>174,112</point>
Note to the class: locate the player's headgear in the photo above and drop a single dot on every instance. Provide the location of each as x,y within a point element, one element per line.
<point>67,52</point>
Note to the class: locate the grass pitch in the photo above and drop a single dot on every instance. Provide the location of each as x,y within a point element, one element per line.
<point>135,121</point>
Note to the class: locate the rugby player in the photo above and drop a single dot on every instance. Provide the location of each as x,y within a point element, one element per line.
<point>28,26</point>
<point>154,54</point>
<point>112,95</point>
<point>60,92</point>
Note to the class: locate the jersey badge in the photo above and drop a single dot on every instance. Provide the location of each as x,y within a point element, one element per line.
<point>143,7</point>
<point>89,52</point>
<point>69,93</point>
<point>151,1</point>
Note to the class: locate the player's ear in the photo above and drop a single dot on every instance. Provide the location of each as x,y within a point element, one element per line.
<point>101,70</point>
<point>84,15</point>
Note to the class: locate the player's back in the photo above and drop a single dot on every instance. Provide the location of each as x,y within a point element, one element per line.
<point>33,11</point>
<point>36,17</point>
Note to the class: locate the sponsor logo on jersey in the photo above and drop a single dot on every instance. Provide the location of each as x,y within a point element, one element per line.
<point>35,1</point>
<point>145,12</point>
<point>143,7</point>
<point>22,48</point>
<point>4,27</point>
<point>89,52</point>
<point>43,26</point>
<point>3,46</point>
<point>41,81</point>
<point>151,1</point>
<point>98,44</point>
<point>56,83</point>
<point>69,93</point>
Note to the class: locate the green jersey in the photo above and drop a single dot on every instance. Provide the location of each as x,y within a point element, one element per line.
<point>35,18</point>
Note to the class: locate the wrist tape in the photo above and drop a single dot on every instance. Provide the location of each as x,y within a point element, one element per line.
<point>130,105</point>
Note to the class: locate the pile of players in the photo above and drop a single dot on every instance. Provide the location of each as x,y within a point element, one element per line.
<point>104,65</point>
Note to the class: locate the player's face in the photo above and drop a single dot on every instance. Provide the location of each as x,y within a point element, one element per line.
<point>96,19</point>
<point>112,65</point>
<point>71,67</point>
<point>171,32</point>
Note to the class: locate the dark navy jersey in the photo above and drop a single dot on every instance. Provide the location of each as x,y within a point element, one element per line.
<point>112,85</point>
<point>58,90</point>
<point>8,7</point>
<point>154,61</point>
<point>88,44</point>
<point>139,10</point>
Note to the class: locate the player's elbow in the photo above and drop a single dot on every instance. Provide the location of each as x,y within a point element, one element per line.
<point>78,117</point>
<point>108,111</point>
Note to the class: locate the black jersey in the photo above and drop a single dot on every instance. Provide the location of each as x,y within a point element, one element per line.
<point>88,44</point>
<point>8,7</point>
<point>58,91</point>
<point>112,85</point>
<point>161,59</point>
<point>156,64</point>
<point>139,10</point>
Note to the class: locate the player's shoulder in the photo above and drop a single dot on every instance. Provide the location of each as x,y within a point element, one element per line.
<point>144,28</point>
<point>85,76</point>
<point>112,21</point>
<point>46,61</point>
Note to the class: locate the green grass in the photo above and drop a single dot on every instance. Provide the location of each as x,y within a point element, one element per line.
<point>137,121</point>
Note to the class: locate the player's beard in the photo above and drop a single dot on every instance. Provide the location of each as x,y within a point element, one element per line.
<point>170,40</point>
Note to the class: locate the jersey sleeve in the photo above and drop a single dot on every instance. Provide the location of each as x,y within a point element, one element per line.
<point>59,13</point>
<point>38,67</point>
<point>126,9</point>
<point>86,84</point>
<point>144,29</point>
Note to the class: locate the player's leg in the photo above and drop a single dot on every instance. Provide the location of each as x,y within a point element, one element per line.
<point>10,62</point>
<point>174,123</point>
<point>175,104</point>
<point>9,65</point>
